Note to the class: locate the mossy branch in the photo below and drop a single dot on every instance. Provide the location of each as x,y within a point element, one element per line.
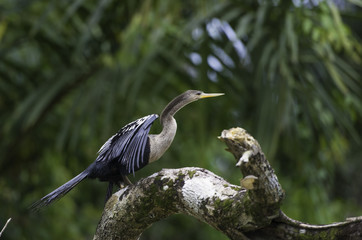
<point>249,211</point>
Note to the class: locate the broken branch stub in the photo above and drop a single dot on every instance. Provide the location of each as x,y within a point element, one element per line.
<point>266,193</point>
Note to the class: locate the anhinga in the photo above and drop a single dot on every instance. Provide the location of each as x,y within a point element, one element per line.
<point>130,149</point>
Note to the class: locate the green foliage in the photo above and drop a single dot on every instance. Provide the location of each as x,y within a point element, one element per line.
<point>73,72</point>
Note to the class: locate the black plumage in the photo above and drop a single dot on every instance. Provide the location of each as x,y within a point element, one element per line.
<point>124,153</point>
<point>128,149</point>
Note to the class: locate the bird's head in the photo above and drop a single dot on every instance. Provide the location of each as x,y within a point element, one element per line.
<point>184,99</point>
<point>194,95</point>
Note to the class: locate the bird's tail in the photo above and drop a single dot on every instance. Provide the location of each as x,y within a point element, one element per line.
<point>59,192</point>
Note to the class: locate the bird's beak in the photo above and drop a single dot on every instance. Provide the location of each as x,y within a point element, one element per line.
<point>208,95</point>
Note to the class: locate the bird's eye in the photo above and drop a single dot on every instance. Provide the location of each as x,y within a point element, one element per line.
<point>198,93</point>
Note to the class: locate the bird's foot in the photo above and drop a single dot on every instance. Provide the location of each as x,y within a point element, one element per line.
<point>125,182</point>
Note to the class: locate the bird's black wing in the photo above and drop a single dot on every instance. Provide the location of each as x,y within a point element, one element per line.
<point>128,145</point>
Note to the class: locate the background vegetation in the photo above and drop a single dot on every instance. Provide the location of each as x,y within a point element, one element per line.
<point>73,72</point>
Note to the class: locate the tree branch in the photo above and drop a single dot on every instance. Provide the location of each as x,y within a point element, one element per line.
<point>251,210</point>
<point>287,228</point>
<point>6,224</point>
<point>192,191</point>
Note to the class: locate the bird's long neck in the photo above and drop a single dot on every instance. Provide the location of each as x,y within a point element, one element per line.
<point>159,143</point>
<point>172,107</point>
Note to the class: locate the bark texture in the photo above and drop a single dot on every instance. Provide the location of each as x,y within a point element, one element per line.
<point>249,211</point>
